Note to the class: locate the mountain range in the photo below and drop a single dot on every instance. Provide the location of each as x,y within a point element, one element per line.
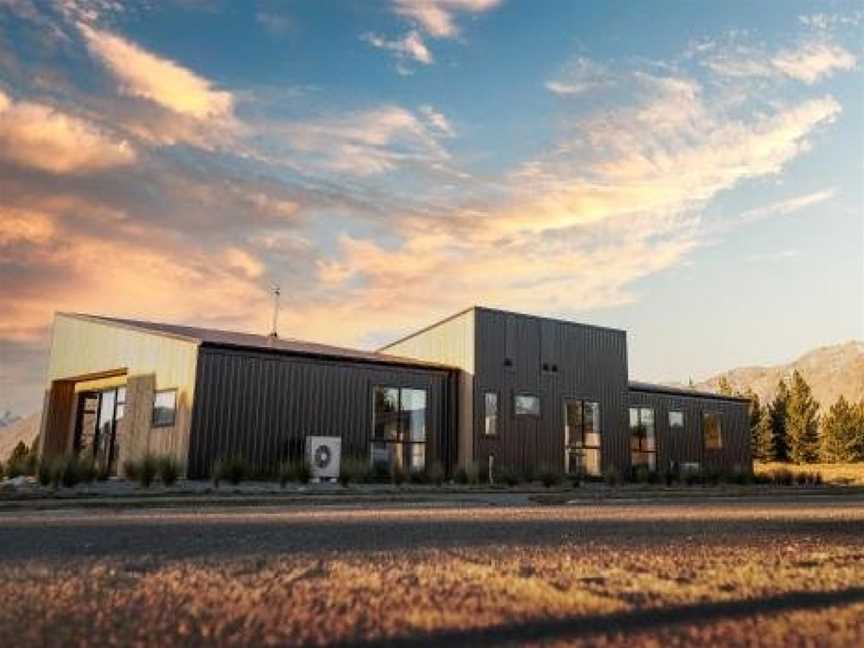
<point>830,371</point>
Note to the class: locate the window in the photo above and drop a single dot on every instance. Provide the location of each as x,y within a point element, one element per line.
<point>643,444</point>
<point>399,428</point>
<point>526,404</point>
<point>676,419</point>
<point>711,431</point>
<point>491,414</point>
<point>164,407</point>
<point>582,437</point>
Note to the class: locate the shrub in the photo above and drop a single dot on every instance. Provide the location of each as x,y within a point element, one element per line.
<point>506,475</point>
<point>130,470</point>
<point>782,476</point>
<point>380,472</point>
<point>70,468</point>
<point>169,470</point>
<point>43,472</point>
<point>148,468</point>
<point>398,475</point>
<point>641,474</point>
<point>611,476</point>
<point>417,477</point>
<point>530,475</point>
<point>19,453</point>
<point>549,477</point>
<point>233,469</point>
<point>353,469</point>
<point>693,477</point>
<point>468,474</point>
<point>88,470</point>
<point>21,463</point>
<point>435,473</point>
<point>294,470</point>
<point>2,470</point>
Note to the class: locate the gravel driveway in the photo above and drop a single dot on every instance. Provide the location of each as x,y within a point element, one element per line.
<point>766,573</point>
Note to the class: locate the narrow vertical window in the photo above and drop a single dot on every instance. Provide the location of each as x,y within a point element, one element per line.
<point>490,409</point>
<point>676,419</point>
<point>164,407</point>
<point>643,445</point>
<point>582,437</point>
<point>711,430</point>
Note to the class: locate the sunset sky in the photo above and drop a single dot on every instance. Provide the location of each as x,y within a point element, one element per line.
<point>690,171</point>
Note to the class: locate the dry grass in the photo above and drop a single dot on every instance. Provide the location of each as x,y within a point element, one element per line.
<point>852,473</point>
<point>588,588</point>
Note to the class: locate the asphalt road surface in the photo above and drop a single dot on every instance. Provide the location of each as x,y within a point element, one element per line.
<point>761,573</point>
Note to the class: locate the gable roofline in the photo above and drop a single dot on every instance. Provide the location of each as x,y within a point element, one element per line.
<point>216,338</point>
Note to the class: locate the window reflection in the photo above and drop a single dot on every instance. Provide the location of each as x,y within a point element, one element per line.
<point>582,437</point>
<point>490,427</point>
<point>643,445</point>
<point>711,430</point>
<point>399,428</point>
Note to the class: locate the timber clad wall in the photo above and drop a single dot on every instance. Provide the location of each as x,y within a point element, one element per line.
<point>687,445</point>
<point>451,342</point>
<point>83,348</point>
<point>263,405</point>
<point>554,360</point>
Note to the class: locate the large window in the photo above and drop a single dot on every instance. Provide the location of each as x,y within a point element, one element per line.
<point>164,407</point>
<point>643,442</point>
<point>490,415</point>
<point>711,430</point>
<point>526,404</point>
<point>582,437</point>
<point>676,419</point>
<point>399,428</point>
<point>97,427</point>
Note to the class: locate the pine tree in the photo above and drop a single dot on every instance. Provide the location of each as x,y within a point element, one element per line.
<point>777,413</point>
<point>763,448</point>
<point>856,446</point>
<point>802,422</point>
<point>836,443</point>
<point>755,411</point>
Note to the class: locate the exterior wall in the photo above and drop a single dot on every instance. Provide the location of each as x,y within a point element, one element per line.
<point>88,353</point>
<point>450,342</point>
<point>555,360</point>
<point>688,445</point>
<point>262,406</point>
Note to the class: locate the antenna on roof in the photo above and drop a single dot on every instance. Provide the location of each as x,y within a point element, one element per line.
<point>274,331</point>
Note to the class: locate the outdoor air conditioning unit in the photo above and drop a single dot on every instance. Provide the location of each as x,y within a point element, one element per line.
<point>324,454</point>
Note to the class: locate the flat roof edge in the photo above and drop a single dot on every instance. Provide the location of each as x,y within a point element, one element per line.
<point>665,390</point>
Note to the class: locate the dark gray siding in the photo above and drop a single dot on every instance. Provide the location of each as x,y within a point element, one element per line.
<point>554,360</point>
<point>687,445</point>
<point>261,406</point>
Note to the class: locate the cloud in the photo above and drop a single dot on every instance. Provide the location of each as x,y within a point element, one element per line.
<point>579,76</point>
<point>784,207</point>
<point>410,47</point>
<point>369,142</point>
<point>437,17</point>
<point>45,138</point>
<point>434,17</point>
<point>813,61</point>
<point>145,75</point>
<point>809,62</point>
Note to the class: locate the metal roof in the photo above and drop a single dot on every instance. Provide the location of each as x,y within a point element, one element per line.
<point>653,388</point>
<point>262,343</point>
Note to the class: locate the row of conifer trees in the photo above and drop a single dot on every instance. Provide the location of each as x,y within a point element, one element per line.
<point>793,427</point>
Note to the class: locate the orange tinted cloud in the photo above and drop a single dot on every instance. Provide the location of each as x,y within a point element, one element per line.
<point>39,136</point>
<point>142,74</point>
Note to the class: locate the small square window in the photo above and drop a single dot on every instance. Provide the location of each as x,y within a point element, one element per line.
<point>676,419</point>
<point>526,404</point>
<point>164,407</point>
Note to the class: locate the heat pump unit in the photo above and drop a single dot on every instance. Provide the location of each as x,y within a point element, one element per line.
<point>324,454</point>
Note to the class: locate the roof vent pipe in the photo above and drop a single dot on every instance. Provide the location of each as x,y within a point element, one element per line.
<point>274,331</point>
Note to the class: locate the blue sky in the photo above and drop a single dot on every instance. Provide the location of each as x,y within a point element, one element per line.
<point>689,171</point>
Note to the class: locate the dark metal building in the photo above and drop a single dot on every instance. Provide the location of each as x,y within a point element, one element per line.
<point>487,386</point>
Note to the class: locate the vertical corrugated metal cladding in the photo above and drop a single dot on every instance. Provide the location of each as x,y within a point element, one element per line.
<point>554,360</point>
<point>261,406</point>
<point>687,445</point>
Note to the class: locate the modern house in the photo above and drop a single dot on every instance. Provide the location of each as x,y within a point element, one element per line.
<point>485,386</point>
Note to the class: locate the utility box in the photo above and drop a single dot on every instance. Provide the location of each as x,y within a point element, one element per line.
<point>324,454</point>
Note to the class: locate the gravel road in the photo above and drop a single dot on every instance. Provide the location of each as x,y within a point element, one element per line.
<point>764,573</point>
